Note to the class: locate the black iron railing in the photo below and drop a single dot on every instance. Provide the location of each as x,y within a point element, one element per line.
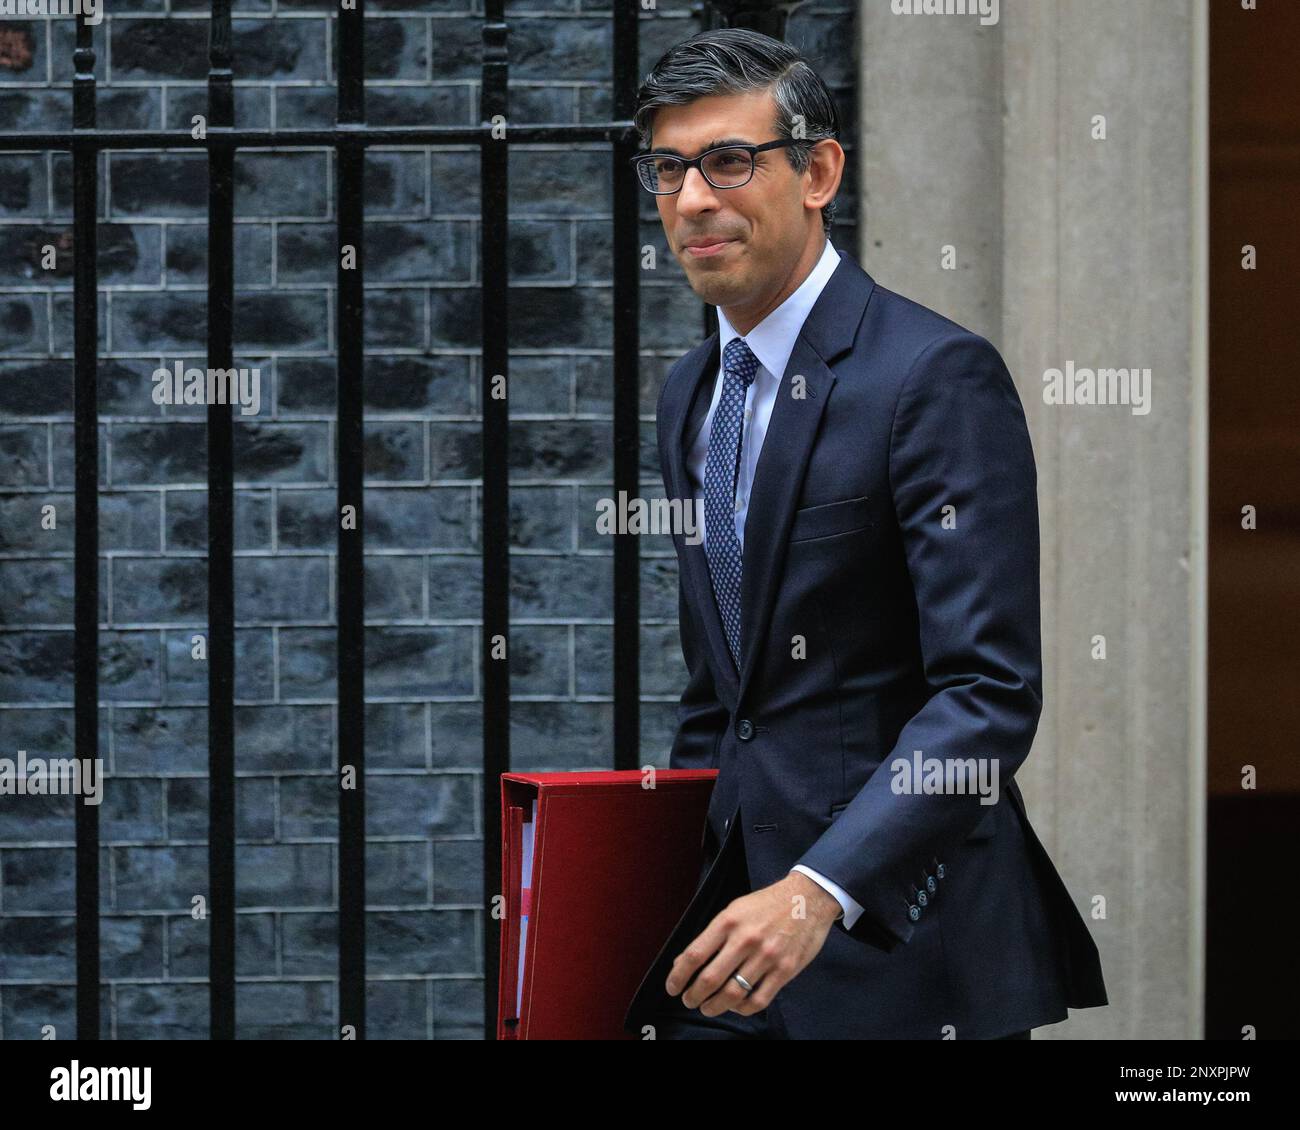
<point>350,138</point>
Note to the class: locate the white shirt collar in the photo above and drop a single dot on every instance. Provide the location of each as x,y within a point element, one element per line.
<point>772,340</point>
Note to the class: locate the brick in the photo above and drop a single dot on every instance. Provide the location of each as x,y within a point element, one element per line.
<point>420,805</point>
<point>292,1010</point>
<point>36,388</point>
<point>172,590</point>
<point>162,1012</point>
<point>457,732</point>
<point>24,325</point>
<point>39,879</point>
<point>393,252</point>
<point>282,588</point>
<point>265,181</point>
<point>284,875</point>
<point>30,819</point>
<point>23,185</point>
<point>560,587</point>
<point>455,586</point>
<point>43,733</point>
<point>663,671</point>
<point>539,660</point>
<point>130,666</point>
<point>188,945</point>
<point>132,810</point>
<point>187,808</point>
<point>458,871</point>
<point>131,946</point>
<point>540,385</point>
<point>187,520</point>
<point>186,260</point>
<point>310,943</point>
<point>394,588</point>
<point>458,1008</point>
<point>396,735</point>
<point>160,878</point>
<point>35,949</point>
<point>394,183</point>
<point>402,662</point>
<point>186,678</point>
<point>422,941</point>
<point>397,873</point>
<point>397,1010</point>
<point>305,107</point>
<point>429,386</point>
<point>561,736</point>
<point>36,592</point>
<point>24,457</point>
<point>35,667</point>
<point>252,105</point>
<point>394,318</point>
<point>394,49</point>
<point>283,738</point>
<point>560,182</point>
<point>541,517</point>
<point>157,740</point>
<point>309,807</point>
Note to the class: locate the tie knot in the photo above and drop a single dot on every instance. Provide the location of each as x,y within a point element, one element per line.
<point>738,358</point>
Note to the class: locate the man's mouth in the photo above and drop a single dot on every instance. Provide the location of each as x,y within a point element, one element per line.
<point>702,249</point>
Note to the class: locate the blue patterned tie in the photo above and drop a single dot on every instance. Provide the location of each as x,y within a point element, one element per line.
<point>721,545</point>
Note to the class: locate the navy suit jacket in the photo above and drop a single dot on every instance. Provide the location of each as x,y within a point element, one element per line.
<point>890,603</point>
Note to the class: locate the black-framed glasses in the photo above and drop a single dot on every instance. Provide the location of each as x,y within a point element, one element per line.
<point>727,166</point>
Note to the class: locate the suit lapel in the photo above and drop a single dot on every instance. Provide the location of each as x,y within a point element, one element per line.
<point>686,403</point>
<point>827,334</point>
<point>778,479</point>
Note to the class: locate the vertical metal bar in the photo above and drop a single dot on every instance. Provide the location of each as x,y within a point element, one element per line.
<point>350,584</point>
<point>221,540</point>
<point>627,397</point>
<point>85,183</point>
<point>494,239</point>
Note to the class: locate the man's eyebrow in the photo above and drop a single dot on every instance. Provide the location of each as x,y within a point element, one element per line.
<point>714,144</point>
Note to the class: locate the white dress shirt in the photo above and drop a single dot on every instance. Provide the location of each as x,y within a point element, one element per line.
<point>772,342</point>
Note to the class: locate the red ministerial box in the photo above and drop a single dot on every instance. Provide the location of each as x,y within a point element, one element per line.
<point>597,868</point>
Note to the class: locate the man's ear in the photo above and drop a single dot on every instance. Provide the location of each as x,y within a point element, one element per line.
<point>826,171</point>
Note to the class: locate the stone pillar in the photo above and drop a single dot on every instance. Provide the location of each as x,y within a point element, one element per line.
<point>1070,248</point>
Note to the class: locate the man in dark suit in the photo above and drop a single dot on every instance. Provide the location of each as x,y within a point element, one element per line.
<point>861,621</point>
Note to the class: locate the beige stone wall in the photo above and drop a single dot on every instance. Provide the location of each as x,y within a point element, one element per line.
<point>1070,248</point>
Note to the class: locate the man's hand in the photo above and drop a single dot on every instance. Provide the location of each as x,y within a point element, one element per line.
<point>768,937</point>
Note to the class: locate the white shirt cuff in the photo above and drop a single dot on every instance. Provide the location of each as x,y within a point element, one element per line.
<point>852,908</point>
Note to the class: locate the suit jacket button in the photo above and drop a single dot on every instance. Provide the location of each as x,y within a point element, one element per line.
<point>913,912</point>
<point>744,729</point>
<point>922,897</point>
<point>939,871</point>
<point>930,884</point>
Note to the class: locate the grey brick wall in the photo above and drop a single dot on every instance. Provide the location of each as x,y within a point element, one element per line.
<point>426,905</point>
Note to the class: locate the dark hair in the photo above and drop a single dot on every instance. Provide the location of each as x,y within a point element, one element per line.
<point>736,60</point>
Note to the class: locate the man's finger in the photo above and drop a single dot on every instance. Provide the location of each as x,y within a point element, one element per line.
<point>764,991</point>
<point>710,940</point>
<point>715,985</point>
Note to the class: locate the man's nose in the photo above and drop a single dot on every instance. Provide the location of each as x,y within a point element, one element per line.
<point>696,194</point>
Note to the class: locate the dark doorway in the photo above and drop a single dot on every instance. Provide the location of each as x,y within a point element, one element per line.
<point>1254,452</point>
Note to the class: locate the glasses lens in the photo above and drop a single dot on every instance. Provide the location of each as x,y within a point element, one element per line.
<point>727,168</point>
<point>660,174</point>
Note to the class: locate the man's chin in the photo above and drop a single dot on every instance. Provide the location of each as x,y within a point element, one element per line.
<point>717,287</point>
